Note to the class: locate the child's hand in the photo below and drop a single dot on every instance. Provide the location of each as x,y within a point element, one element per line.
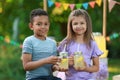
<point>57,67</point>
<point>81,68</point>
<point>71,60</point>
<point>52,60</point>
<point>68,73</point>
<point>62,69</point>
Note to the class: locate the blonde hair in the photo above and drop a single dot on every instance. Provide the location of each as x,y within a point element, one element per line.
<point>70,33</point>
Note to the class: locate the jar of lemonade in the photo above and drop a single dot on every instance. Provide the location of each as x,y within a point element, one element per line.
<point>78,60</point>
<point>64,60</point>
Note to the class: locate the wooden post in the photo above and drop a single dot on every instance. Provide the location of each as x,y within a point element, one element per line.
<point>45,5</point>
<point>104,17</point>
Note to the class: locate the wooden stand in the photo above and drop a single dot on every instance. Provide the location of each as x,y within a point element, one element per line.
<point>116,77</point>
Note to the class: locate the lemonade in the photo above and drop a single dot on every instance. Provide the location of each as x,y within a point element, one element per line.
<point>64,60</point>
<point>78,60</point>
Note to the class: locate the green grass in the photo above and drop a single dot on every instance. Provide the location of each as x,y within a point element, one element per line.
<point>113,67</point>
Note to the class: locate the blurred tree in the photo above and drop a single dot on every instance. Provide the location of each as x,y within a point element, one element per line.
<point>13,9</point>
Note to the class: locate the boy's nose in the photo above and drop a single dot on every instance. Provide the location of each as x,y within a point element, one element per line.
<point>43,26</point>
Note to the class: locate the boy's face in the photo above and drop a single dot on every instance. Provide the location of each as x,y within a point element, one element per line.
<point>40,25</point>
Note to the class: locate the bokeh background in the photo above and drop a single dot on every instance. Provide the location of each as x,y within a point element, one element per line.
<point>14,20</point>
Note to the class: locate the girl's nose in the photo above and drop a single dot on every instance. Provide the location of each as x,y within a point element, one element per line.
<point>79,25</point>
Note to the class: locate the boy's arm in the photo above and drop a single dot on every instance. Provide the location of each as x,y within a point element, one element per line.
<point>28,64</point>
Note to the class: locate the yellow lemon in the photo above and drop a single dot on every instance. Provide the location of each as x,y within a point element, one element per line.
<point>80,59</point>
<point>64,60</point>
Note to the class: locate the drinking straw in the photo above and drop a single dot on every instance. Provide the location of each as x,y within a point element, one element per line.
<point>78,47</point>
<point>64,50</point>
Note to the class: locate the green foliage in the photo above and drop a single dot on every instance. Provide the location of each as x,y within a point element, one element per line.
<point>10,63</point>
<point>114,48</point>
<point>113,66</point>
<point>13,9</point>
<point>54,31</point>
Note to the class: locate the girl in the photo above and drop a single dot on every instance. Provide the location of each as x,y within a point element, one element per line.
<point>79,33</point>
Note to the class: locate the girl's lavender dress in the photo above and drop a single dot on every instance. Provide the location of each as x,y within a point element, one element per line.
<point>102,74</point>
<point>87,53</point>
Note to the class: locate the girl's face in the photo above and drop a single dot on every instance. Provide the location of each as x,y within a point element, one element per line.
<point>79,25</point>
<point>40,26</point>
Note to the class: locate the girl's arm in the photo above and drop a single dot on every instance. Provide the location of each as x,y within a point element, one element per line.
<point>95,66</point>
<point>28,64</point>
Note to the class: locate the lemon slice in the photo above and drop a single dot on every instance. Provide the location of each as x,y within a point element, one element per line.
<point>64,60</point>
<point>80,59</point>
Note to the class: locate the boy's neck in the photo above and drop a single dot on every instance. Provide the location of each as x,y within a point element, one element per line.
<point>41,37</point>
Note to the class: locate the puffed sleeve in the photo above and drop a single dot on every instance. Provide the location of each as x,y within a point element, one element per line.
<point>96,51</point>
<point>27,46</point>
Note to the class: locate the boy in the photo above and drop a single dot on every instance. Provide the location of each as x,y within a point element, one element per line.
<point>39,52</point>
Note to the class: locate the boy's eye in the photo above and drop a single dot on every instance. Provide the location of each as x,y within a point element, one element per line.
<point>46,24</point>
<point>39,24</point>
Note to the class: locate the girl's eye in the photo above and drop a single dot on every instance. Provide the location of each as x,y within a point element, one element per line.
<point>82,23</point>
<point>75,23</point>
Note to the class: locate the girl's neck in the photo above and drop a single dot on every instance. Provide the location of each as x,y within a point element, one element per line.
<point>79,38</point>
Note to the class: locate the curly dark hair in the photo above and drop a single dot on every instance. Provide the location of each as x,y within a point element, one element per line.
<point>37,12</point>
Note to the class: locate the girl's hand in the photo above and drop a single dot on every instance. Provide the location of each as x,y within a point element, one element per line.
<point>81,68</point>
<point>71,60</point>
<point>68,73</point>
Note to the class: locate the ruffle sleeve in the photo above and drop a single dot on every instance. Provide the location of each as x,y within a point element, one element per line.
<point>96,51</point>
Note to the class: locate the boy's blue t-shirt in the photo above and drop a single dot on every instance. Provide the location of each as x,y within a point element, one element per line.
<point>39,49</point>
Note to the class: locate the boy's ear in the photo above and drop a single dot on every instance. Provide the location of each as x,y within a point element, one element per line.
<point>31,26</point>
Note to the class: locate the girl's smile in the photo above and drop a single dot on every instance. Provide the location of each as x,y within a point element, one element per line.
<point>79,25</point>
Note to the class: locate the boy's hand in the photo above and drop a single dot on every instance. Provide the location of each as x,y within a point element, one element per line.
<point>62,69</point>
<point>81,68</point>
<point>52,60</point>
<point>55,67</point>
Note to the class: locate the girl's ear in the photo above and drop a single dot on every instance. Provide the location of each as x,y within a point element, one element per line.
<point>31,26</point>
